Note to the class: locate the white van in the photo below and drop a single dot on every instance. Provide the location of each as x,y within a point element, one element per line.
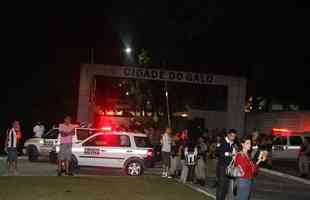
<point>286,145</point>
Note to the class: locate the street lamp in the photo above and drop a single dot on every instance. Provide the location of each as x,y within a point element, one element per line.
<point>128,50</point>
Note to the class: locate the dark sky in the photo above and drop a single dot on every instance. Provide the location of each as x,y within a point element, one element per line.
<point>267,42</point>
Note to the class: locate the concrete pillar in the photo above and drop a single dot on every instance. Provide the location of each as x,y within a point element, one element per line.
<point>83,114</point>
<point>236,103</point>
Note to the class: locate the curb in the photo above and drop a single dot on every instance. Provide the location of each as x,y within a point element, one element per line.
<point>201,191</point>
<point>19,158</point>
<point>283,175</point>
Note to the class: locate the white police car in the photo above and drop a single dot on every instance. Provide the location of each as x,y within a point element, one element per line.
<point>129,151</point>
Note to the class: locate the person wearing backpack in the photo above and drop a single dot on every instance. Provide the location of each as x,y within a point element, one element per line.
<point>190,155</point>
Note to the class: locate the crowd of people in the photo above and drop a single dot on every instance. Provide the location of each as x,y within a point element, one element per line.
<point>185,158</point>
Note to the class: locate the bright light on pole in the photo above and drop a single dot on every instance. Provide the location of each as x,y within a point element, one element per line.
<point>167,104</point>
<point>128,50</point>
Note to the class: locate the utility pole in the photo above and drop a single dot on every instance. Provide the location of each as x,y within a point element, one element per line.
<point>167,104</point>
<point>167,98</point>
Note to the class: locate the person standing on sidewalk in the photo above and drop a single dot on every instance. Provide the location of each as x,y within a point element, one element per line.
<point>175,157</point>
<point>66,131</point>
<point>225,153</point>
<point>166,152</point>
<point>38,130</point>
<point>200,169</point>
<point>303,158</point>
<point>244,161</point>
<point>12,140</point>
<point>190,155</point>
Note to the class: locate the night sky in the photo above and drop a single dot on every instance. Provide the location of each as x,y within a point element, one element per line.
<point>268,43</point>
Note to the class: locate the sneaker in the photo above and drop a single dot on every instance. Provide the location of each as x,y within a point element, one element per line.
<point>164,175</point>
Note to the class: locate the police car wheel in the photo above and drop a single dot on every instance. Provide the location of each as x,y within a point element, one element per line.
<point>33,153</point>
<point>134,168</point>
<point>74,166</point>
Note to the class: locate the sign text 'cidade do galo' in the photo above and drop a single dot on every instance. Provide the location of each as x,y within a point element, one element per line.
<point>166,75</point>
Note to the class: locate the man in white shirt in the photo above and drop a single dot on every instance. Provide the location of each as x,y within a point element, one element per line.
<point>38,130</point>
<point>166,151</point>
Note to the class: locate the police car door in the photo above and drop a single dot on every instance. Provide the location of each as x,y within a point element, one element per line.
<point>92,152</point>
<point>294,147</point>
<point>116,148</point>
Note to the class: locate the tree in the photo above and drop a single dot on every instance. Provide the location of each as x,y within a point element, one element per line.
<point>144,57</point>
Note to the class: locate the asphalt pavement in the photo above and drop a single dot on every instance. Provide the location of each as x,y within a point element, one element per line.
<point>288,167</point>
<point>267,187</point>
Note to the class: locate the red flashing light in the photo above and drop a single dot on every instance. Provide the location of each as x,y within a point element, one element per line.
<point>110,113</point>
<point>106,128</point>
<point>150,153</point>
<point>280,130</point>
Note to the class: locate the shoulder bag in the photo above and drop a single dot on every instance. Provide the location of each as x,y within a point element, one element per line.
<point>234,170</point>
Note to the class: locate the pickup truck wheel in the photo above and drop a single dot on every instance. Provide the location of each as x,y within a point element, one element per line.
<point>134,168</point>
<point>52,157</point>
<point>33,153</point>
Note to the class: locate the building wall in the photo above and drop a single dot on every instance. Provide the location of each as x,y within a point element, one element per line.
<point>232,118</point>
<point>264,122</point>
<point>213,119</point>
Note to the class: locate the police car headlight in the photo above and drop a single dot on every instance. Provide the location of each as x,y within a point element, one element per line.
<point>41,142</point>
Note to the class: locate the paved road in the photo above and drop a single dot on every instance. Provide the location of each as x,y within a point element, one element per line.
<point>44,168</point>
<point>289,167</point>
<point>267,187</point>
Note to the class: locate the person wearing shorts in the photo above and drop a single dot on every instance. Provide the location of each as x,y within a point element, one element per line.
<point>11,147</point>
<point>65,152</point>
<point>66,132</point>
<point>166,152</point>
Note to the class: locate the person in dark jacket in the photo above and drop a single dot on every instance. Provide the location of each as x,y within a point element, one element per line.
<point>225,152</point>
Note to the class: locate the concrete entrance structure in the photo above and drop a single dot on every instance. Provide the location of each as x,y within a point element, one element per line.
<point>232,118</point>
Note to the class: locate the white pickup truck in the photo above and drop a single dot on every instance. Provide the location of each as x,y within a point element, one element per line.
<point>43,147</point>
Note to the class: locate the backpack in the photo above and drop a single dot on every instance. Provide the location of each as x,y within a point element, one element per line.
<point>191,157</point>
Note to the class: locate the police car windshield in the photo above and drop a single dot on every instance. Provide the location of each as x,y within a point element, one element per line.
<point>143,142</point>
<point>84,133</point>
